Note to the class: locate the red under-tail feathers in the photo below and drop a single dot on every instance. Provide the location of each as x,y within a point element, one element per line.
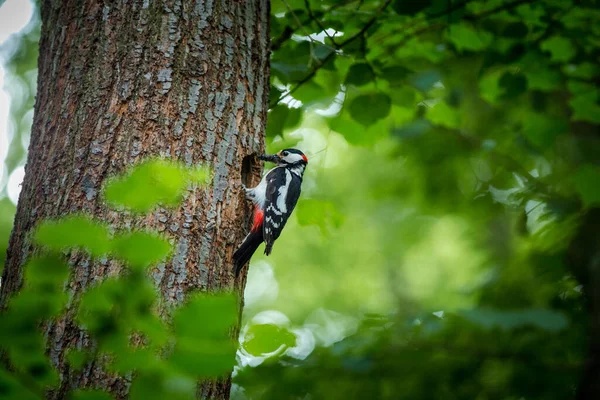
<point>259,216</point>
<point>251,242</point>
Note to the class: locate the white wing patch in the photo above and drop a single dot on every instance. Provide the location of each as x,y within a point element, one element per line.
<point>283,192</point>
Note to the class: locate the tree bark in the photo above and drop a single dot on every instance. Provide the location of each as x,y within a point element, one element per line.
<point>122,81</point>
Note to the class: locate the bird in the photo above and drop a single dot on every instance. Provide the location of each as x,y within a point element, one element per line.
<point>274,199</point>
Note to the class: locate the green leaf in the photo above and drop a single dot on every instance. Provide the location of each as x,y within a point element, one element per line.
<point>148,184</point>
<point>90,395</point>
<point>11,388</point>
<point>585,70</point>
<point>98,304</point>
<point>36,366</point>
<point>425,80</point>
<point>138,359</point>
<point>206,316</point>
<point>366,109</point>
<point>360,74</point>
<point>548,320</point>
<point>405,96</point>
<point>532,14</point>
<point>274,94</point>
<point>161,386</point>
<point>282,117</point>
<point>489,86</point>
<point>542,130</point>
<point>357,134</point>
<point>585,108</point>
<point>291,63</point>
<point>515,30</point>
<point>543,78</point>
<point>276,120</point>
<point>141,249</point>
<point>587,183</point>
<point>465,37</point>
<point>294,118</point>
<point>443,115</point>
<point>395,74</point>
<point>74,231</point>
<point>561,49</point>
<point>421,48</point>
<point>414,129</point>
<point>410,7</point>
<point>321,52</point>
<point>512,84</point>
<point>266,338</point>
<point>330,81</point>
<point>77,359</point>
<point>204,358</point>
<point>311,93</point>
<point>41,302</point>
<point>46,269</point>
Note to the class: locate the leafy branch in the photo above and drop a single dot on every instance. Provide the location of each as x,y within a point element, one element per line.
<point>319,24</point>
<point>288,31</point>
<point>329,56</point>
<point>429,28</point>
<point>440,25</point>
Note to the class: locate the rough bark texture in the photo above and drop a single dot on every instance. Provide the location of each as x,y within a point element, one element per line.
<point>122,81</point>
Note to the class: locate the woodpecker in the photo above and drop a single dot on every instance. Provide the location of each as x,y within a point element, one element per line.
<point>274,200</point>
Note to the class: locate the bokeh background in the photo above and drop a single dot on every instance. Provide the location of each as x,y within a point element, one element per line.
<point>448,174</point>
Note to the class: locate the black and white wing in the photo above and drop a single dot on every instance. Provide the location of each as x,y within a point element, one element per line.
<point>283,191</point>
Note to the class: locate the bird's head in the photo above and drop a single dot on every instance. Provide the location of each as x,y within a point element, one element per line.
<point>290,157</point>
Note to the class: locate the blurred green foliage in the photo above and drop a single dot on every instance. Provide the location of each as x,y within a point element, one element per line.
<point>161,181</point>
<point>19,58</point>
<point>118,314</point>
<point>455,152</point>
<point>453,155</point>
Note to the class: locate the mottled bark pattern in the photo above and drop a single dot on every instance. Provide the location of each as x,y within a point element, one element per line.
<point>122,81</point>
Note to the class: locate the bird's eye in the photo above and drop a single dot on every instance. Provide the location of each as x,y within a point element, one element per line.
<point>284,153</point>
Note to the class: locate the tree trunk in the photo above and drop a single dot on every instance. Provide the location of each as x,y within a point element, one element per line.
<point>122,81</point>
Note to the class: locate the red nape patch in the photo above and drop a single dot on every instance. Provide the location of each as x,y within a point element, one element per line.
<point>259,215</point>
<point>305,158</point>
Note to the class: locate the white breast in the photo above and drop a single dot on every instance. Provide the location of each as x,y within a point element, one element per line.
<point>260,191</point>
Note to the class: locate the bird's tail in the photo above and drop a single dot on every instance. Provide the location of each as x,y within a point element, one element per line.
<point>247,249</point>
<point>268,248</point>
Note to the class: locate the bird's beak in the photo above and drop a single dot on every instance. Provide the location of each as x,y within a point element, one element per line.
<point>274,158</point>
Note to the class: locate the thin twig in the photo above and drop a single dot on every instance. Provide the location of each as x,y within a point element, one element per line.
<point>288,31</point>
<point>285,35</point>
<point>312,16</point>
<point>367,25</point>
<point>297,20</point>
<point>314,71</point>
